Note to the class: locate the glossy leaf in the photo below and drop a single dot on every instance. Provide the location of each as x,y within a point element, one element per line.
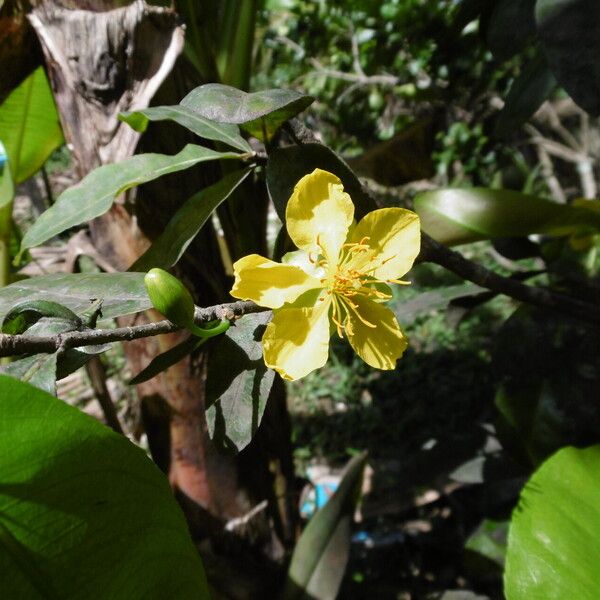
<point>122,293</point>
<point>26,313</point>
<point>238,384</point>
<point>257,113</point>
<point>554,538</point>
<point>569,31</point>
<point>205,128</point>
<point>94,195</point>
<point>527,93</point>
<point>287,166</point>
<point>29,126</point>
<point>74,497</point>
<point>185,224</point>
<point>321,554</point>
<point>457,216</point>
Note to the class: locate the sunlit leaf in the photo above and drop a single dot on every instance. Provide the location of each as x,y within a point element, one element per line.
<point>457,216</point>
<point>29,126</point>
<point>94,195</point>
<point>185,224</point>
<point>122,293</point>
<point>84,512</point>
<point>205,128</point>
<point>257,113</point>
<point>554,538</point>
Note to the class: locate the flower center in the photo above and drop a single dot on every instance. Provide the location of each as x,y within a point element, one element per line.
<point>347,282</point>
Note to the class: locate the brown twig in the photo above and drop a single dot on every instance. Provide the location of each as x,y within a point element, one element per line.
<point>433,251</point>
<point>11,345</point>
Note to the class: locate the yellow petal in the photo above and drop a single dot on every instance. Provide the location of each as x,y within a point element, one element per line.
<point>319,212</point>
<point>269,283</point>
<point>380,346</point>
<point>394,238</point>
<point>296,341</point>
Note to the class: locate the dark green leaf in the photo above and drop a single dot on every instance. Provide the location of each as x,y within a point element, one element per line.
<point>569,31</point>
<point>123,293</point>
<point>38,370</point>
<point>167,359</point>
<point>489,541</point>
<point>29,126</point>
<point>554,538</point>
<point>238,383</point>
<point>527,93</point>
<point>266,110</point>
<point>185,224</point>
<point>510,26</point>
<point>94,195</point>
<point>547,368</point>
<point>321,554</point>
<point>287,166</point>
<point>83,512</point>
<point>205,128</point>
<point>24,314</point>
<point>457,216</point>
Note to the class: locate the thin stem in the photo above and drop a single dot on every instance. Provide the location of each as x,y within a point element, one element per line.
<point>21,344</point>
<point>435,252</point>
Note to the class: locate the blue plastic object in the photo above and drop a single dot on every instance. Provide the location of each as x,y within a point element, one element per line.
<point>3,157</point>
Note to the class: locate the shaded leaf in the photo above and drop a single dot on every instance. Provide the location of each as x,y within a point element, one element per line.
<point>167,359</point>
<point>255,112</point>
<point>510,26</point>
<point>238,384</point>
<point>436,299</point>
<point>205,128</point>
<point>185,224</point>
<point>569,31</point>
<point>94,195</point>
<point>29,126</point>
<point>75,497</point>
<point>545,382</point>
<point>287,166</point>
<point>38,370</point>
<point>489,541</point>
<point>457,216</point>
<point>123,293</point>
<point>554,538</point>
<point>406,157</point>
<point>321,554</point>
<point>527,93</point>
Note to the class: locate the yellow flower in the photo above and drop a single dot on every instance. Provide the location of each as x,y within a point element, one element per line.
<point>337,280</point>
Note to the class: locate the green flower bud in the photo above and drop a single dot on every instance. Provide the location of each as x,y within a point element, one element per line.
<point>170,297</point>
